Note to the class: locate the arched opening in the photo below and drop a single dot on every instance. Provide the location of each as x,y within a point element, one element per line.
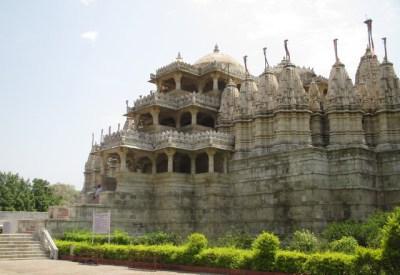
<point>186,119</point>
<point>181,163</point>
<point>113,162</point>
<point>201,163</point>
<point>221,84</point>
<point>168,121</point>
<point>145,120</point>
<point>144,165</point>
<point>130,162</point>
<point>188,84</point>
<point>168,85</point>
<point>205,120</point>
<point>208,86</point>
<point>219,162</point>
<point>162,163</point>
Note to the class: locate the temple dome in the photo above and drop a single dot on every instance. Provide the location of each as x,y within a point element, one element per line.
<point>217,57</point>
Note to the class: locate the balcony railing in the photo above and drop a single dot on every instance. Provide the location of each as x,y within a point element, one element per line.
<point>156,141</point>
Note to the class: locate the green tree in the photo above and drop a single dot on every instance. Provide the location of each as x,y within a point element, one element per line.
<point>15,193</point>
<point>65,192</point>
<point>391,243</point>
<point>43,195</point>
<point>304,241</point>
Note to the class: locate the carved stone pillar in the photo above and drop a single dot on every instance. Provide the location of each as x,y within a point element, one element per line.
<point>211,152</point>
<point>200,87</point>
<point>136,119</point>
<point>177,78</point>
<point>170,154</point>
<point>122,157</point>
<point>194,116</point>
<point>215,82</point>
<point>193,163</point>
<point>155,114</point>
<point>103,165</point>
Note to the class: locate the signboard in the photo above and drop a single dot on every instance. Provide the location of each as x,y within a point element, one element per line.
<point>101,222</point>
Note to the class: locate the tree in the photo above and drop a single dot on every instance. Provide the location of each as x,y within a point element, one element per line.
<point>43,195</point>
<point>391,243</point>
<point>66,192</point>
<point>15,193</point>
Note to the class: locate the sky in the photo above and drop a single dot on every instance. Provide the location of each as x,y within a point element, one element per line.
<point>67,67</point>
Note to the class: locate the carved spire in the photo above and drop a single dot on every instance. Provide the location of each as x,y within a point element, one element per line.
<point>119,127</point>
<point>370,40</point>
<point>287,57</point>
<point>336,50</point>
<point>109,130</point>
<point>216,48</point>
<point>101,135</point>
<point>245,65</point>
<point>179,57</point>
<point>385,59</point>
<point>266,64</point>
<point>92,139</point>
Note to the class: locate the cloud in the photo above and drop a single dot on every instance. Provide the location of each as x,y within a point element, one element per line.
<point>90,35</point>
<point>87,2</point>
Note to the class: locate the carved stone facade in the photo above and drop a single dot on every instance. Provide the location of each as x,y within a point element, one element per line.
<point>215,148</point>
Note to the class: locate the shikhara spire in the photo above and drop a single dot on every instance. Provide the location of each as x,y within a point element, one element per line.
<point>370,40</point>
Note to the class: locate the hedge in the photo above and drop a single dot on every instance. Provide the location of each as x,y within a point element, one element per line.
<point>365,261</point>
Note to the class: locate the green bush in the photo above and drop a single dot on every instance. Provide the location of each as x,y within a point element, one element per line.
<point>117,237</point>
<point>195,243</point>
<point>391,243</point>
<point>290,261</point>
<point>157,238</point>
<point>329,264</point>
<point>304,241</point>
<point>345,244</point>
<point>265,247</point>
<point>337,230</point>
<point>241,240</point>
<point>224,257</point>
<point>367,261</point>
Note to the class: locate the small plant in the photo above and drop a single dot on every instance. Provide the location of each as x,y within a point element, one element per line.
<point>391,243</point>
<point>345,244</point>
<point>265,247</point>
<point>195,243</point>
<point>304,241</point>
<point>241,240</point>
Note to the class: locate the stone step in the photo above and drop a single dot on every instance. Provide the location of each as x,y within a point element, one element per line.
<point>23,254</point>
<point>17,249</point>
<point>17,243</point>
<point>25,246</point>
<point>30,258</point>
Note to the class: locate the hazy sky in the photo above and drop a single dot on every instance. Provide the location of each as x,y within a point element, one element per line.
<point>67,67</point>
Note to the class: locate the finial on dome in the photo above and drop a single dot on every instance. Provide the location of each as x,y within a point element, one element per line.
<point>119,127</point>
<point>266,64</point>
<point>216,49</point>
<point>92,139</point>
<point>287,50</point>
<point>245,64</point>
<point>370,40</point>
<point>384,45</point>
<point>101,135</point>
<point>179,57</point>
<point>109,130</point>
<point>336,51</point>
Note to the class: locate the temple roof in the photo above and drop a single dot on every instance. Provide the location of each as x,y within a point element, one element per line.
<point>218,57</point>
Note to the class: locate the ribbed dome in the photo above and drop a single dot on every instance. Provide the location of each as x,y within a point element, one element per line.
<point>219,57</point>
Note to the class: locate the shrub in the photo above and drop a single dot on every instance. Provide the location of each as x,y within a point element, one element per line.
<point>241,240</point>
<point>391,243</point>
<point>371,230</point>
<point>329,264</point>
<point>367,261</point>
<point>117,237</point>
<point>195,243</point>
<point>304,241</point>
<point>265,247</point>
<point>337,230</point>
<point>157,238</point>
<point>345,244</point>
<point>290,261</point>
<point>224,257</point>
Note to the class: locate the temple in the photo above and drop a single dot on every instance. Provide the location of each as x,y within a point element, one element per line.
<point>215,148</point>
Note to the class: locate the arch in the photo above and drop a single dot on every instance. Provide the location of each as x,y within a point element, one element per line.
<point>168,85</point>
<point>205,119</point>
<point>144,165</point>
<point>201,163</point>
<point>161,163</point>
<point>186,119</point>
<point>130,162</point>
<point>221,84</point>
<point>181,163</point>
<point>145,120</point>
<point>208,86</point>
<point>188,84</point>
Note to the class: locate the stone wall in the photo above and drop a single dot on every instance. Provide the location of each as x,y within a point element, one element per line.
<point>11,218</point>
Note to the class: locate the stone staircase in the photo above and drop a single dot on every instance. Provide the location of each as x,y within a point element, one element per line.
<point>20,247</point>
